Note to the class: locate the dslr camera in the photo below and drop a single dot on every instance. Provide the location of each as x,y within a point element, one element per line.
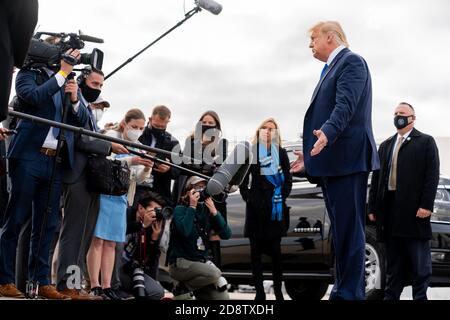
<point>203,194</point>
<point>43,54</point>
<point>163,213</point>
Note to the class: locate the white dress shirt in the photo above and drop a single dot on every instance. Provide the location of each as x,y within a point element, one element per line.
<point>334,54</point>
<point>50,141</point>
<point>405,137</point>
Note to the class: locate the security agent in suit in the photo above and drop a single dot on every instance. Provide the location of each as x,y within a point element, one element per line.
<point>340,151</point>
<point>31,158</point>
<point>401,200</point>
<point>156,136</point>
<point>81,206</point>
<point>17,21</point>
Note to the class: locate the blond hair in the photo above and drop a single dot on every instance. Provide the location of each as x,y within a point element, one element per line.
<point>272,120</point>
<point>333,27</point>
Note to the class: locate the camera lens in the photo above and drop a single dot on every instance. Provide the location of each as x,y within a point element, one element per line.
<point>138,283</point>
<point>221,284</point>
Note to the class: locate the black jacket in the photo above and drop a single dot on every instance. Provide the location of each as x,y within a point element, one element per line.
<point>133,247</point>
<point>84,147</point>
<point>258,223</point>
<point>162,181</point>
<point>417,180</point>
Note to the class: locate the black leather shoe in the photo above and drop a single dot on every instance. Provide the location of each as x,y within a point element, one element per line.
<point>122,294</point>
<point>98,292</point>
<point>111,294</point>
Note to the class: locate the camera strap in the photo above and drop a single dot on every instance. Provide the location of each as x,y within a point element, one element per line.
<point>142,247</point>
<point>202,231</point>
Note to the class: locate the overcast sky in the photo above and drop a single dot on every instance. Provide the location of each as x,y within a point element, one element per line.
<point>252,61</point>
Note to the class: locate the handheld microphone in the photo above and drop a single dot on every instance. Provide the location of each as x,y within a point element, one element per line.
<point>233,169</point>
<point>209,5</point>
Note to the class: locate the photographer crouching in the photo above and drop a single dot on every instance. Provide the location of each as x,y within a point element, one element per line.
<point>189,256</point>
<point>140,257</point>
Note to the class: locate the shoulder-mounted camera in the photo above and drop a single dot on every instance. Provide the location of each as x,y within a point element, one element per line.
<point>49,52</point>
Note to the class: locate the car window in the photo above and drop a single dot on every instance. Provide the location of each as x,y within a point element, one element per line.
<point>441,210</point>
<point>443,195</point>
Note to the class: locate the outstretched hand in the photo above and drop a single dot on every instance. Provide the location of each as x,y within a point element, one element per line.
<point>321,142</point>
<point>299,164</point>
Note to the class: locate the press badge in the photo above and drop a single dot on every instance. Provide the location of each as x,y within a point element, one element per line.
<point>200,244</point>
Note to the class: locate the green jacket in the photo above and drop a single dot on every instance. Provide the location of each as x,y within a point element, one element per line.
<point>184,234</point>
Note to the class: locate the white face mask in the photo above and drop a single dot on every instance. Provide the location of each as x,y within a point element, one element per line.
<point>133,134</point>
<point>98,114</point>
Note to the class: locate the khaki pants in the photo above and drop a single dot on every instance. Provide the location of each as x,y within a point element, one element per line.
<point>199,277</point>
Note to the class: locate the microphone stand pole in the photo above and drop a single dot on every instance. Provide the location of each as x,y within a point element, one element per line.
<point>155,159</point>
<point>187,16</point>
<point>127,143</point>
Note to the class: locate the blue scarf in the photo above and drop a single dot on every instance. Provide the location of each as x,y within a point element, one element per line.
<point>271,169</point>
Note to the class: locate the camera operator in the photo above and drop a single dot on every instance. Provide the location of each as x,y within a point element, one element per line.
<point>189,262</point>
<point>141,250</point>
<point>31,157</point>
<point>81,206</point>
<point>156,136</point>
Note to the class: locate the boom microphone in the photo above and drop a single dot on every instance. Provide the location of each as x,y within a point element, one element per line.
<point>233,169</point>
<point>209,5</point>
<point>87,38</point>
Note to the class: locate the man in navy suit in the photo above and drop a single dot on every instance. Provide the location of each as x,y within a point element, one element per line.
<point>31,157</point>
<point>339,150</point>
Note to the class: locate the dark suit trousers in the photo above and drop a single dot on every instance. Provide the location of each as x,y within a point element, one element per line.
<point>272,248</point>
<point>403,255</point>
<point>81,208</point>
<point>29,194</point>
<point>345,200</point>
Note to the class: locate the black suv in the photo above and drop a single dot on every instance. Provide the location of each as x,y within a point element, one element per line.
<point>308,260</point>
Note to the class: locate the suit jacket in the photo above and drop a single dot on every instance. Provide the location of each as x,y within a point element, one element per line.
<point>417,181</point>
<point>84,147</point>
<point>258,223</point>
<point>162,181</point>
<point>41,99</point>
<point>342,107</point>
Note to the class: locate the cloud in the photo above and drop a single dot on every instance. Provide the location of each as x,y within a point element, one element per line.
<point>252,61</point>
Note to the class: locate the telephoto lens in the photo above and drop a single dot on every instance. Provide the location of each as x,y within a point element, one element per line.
<point>138,283</point>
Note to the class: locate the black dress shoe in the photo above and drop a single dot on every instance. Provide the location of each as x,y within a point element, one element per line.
<point>98,292</point>
<point>122,294</point>
<point>111,294</point>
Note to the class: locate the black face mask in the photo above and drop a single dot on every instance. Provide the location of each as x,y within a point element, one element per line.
<point>206,128</point>
<point>158,133</point>
<point>401,122</point>
<point>90,94</point>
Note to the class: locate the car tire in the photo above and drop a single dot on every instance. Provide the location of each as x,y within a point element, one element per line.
<point>306,289</point>
<point>375,266</point>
